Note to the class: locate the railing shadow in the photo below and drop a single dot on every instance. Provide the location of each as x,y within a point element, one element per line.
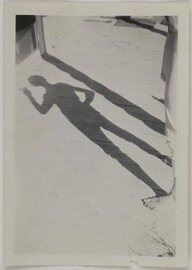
<point>151,28</point>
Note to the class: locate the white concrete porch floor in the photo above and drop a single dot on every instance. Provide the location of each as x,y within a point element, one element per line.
<point>73,198</point>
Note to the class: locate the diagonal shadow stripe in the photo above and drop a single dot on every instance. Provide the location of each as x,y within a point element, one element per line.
<point>129,107</point>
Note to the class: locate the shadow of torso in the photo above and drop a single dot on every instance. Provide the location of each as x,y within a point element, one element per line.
<point>78,112</point>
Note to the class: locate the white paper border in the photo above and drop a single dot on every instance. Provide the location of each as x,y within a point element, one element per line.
<point>97,9</point>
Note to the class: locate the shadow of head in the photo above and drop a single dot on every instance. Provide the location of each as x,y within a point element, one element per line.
<point>37,80</point>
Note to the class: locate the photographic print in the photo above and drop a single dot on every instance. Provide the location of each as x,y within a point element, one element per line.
<point>96,134</point>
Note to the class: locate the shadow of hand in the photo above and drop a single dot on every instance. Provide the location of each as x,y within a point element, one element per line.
<point>26,92</point>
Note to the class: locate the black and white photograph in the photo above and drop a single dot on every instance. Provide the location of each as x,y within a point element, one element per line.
<point>96,129</point>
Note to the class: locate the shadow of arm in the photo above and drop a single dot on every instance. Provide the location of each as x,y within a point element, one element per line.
<point>42,108</point>
<point>89,95</point>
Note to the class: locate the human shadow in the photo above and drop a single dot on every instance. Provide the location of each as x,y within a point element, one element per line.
<point>129,107</point>
<point>89,121</point>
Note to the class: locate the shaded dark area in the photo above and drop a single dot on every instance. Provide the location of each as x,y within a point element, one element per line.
<point>26,41</point>
<point>28,34</point>
<point>161,100</point>
<point>23,21</point>
<point>149,27</point>
<point>89,121</point>
<point>129,107</point>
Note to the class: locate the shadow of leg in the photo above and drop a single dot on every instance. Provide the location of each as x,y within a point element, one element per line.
<point>133,139</point>
<point>94,133</point>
